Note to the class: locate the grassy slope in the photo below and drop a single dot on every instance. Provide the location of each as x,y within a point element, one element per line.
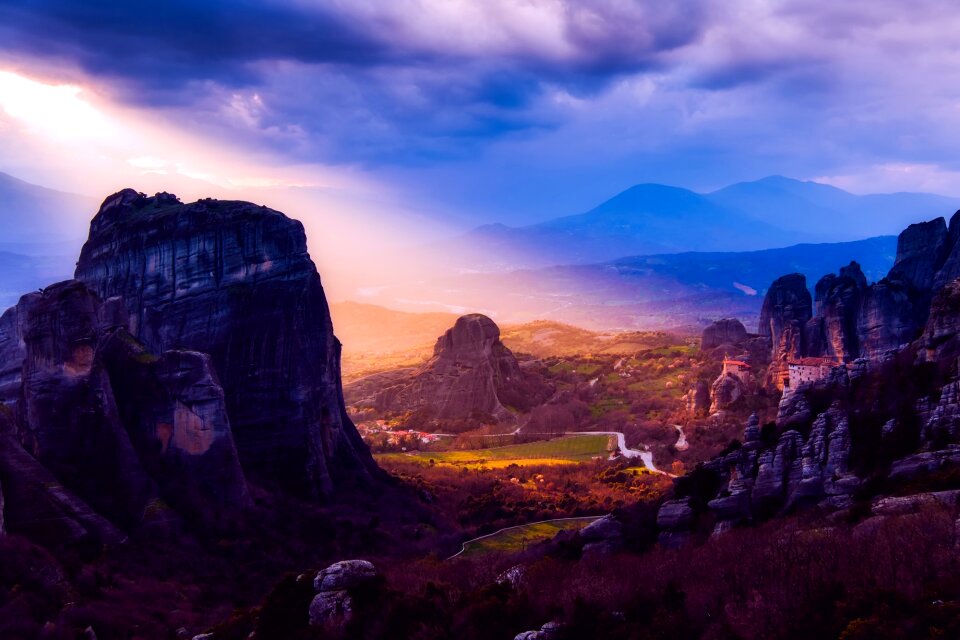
<point>519,538</point>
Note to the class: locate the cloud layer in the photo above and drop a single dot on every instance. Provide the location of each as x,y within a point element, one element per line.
<point>520,109</point>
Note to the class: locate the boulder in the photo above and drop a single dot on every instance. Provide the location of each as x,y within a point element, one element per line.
<point>344,575</point>
<point>900,505</point>
<point>331,608</point>
<point>925,462</point>
<point>728,331</point>
<point>549,631</point>
<point>333,605</point>
<point>602,536</point>
<point>675,520</point>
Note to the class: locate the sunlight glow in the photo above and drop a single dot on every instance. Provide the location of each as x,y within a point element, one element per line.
<point>56,111</point>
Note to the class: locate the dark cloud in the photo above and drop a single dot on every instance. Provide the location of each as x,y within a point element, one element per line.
<point>158,48</point>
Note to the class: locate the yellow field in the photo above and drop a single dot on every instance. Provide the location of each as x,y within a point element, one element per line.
<point>558,451</point>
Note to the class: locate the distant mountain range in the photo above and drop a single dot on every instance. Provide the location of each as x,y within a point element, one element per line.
<point>679,291</point>
<point>43,230</point>
<point>656,219</point>
<point>36,218</point>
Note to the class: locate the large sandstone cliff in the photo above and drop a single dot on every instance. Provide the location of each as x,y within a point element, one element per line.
<point>121,392</point>
<point>234,280</point>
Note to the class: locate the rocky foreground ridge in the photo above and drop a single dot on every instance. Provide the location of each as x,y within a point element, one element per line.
<point>192,354</point>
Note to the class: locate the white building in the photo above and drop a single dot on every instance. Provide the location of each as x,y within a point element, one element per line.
<point>808,370</point>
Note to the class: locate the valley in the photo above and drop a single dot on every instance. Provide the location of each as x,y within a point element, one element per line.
<point>518,466</point>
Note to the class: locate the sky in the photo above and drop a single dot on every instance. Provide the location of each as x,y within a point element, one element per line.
<point>417,118</point>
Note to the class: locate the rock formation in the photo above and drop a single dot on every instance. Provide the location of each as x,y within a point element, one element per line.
<point>726,390</point>
<point>854,319</point>
<point>234,280</point>
<point>819,455</point>
<point>786,310</point>
<point>603,536</point>
<point>472,376</point>
<point>728,331</point>
<point>117,414</point>
<point>125,430</point>
<point>698,399</point>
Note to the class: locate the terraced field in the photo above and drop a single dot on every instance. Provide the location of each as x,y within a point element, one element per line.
<point>566,450</point>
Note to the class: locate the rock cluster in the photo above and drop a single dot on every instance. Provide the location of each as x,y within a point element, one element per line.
<point>807,456</point>
<point>335,586</point>
<point>853,319</point>
<point>726,338</point>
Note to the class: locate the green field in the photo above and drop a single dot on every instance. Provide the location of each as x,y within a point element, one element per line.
<point>519,538</point>
<point>567,450</point>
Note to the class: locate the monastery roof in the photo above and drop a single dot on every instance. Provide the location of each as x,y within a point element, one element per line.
<point>737,362</point>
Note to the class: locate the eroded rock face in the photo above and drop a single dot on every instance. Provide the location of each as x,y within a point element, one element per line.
<point>66,407</point>
<point>726,390</point>
<point>786,310</point>
<point>472,375</point>
<point>602,536</point>
<point>100,417</point>
<point>760,481</point>
<point>920,254</point>
<point>174,409</point>
<point>234,280</point>
<point>941,336</point>
<point>854,320</point>
<point>698,399</point>
<point>834,332</point>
